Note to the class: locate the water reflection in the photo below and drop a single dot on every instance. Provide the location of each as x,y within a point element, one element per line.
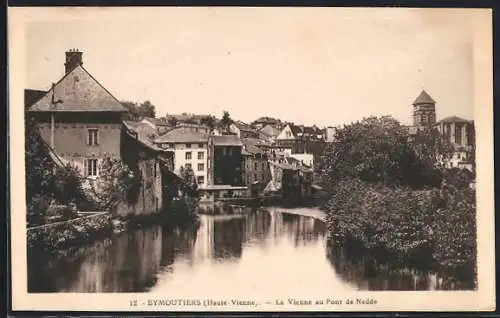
<point>365,273</point>
<point>256,251</point>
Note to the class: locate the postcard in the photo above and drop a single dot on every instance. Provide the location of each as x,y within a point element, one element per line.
<point>251,159</point>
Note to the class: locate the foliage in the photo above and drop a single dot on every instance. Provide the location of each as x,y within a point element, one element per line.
<point>431,147</point>
<point>117,182</point>
<point>226,121</point>
<point>63,234</point>
<point>189,194</point>
<point>377,150</point>
<point>39,169</point>
<point>412,225</point>
<point>68,185</point>
<point>137,111</point>
<point>208,121</point>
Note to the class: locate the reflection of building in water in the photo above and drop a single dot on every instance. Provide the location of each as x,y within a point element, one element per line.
<point>303,230</point>
<point>228,238</point>
<point>125,263</point>
<point>257,226</point>
<point>177,242</point>
<point>220,237</point>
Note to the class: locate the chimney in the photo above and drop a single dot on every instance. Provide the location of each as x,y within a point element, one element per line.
<point>73,59</point>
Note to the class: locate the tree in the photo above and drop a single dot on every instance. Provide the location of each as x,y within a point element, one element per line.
<point>226,121</point>
<point>39,171</point>
<point>376,150</point>
<point>137,111</point>
<point>431,147</point>
<point>208,121</point>
<point>147,109</point>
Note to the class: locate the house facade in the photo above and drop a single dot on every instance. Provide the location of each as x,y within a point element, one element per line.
<point>79,118</point>
<point>140,154</point>
<point>460,133</point>
<point>255,169</point>
<point>225,159</point>
<point>190,149</point>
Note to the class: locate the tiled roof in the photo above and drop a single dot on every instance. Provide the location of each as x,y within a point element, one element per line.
<point>242,126</point>
<point>251,149</point>
<point>227,140</point>
<point>78,91</point>
<point>453,119</point>
<point>156,121</point>
<point>424,98</point>
<point>31,96</point>
<point>256,142</point>
<point>142,132</point>
<point>182,136</point>
<point>270,130</point>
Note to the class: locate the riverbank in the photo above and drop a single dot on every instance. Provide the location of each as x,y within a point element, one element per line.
<point>432,229</point>
<point>64,234</point>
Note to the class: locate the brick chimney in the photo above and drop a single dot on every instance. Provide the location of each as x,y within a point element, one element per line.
<point>73,59</point>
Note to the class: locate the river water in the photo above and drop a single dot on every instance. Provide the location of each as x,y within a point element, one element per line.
<point>271,250</point>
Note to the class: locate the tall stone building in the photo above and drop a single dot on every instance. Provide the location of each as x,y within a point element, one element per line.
<point>424,111</point>
<point>79,118</point>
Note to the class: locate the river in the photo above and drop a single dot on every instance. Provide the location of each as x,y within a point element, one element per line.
<point>271,250</point>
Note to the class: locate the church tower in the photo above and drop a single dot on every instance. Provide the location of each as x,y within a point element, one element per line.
<point>424,111</point>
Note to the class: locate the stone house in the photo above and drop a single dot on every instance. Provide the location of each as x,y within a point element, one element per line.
<point>190,149</point>
<point>79,118</point>
<point>140,154</point>
<point>255,168</point>
<point>225,160</point>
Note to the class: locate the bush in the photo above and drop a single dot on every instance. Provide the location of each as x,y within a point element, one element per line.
<point>413,226</point>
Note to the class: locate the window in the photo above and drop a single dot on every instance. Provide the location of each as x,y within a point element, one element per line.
<point>188,166</point>
<point>255,166</point>
<point>200,145</point>
<point>188,145</point>
<point>93,137</point>
<point>201,155</point>
<point>201,167</point>
<point>91,168</point>
<point>188,155</point>
<point>200,179</point>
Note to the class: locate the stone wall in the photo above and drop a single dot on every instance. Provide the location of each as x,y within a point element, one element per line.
<point>62,234</point>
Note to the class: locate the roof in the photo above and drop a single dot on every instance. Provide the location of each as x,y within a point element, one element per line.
<point>270,130</point>
<point>223,187</point>
<point>423,98</point>
<point>454,119</point>
<point>250,149</point>
<point>141,132</point>
<point>156,121</point>
<point>182,136</point>
<point>78,91</point>
<point>227,140</point>
<point>242,126</point>
<point>31,96</point>
<point>283,165</point>
<point>267,120</point>
<point>256,142</point>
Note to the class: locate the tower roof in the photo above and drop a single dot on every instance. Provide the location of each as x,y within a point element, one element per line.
<point>424,98</point>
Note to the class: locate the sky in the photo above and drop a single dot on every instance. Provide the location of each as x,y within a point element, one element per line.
<point>323,66</point>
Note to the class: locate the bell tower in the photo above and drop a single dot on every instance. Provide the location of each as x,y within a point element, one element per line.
<point>424,111</point>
